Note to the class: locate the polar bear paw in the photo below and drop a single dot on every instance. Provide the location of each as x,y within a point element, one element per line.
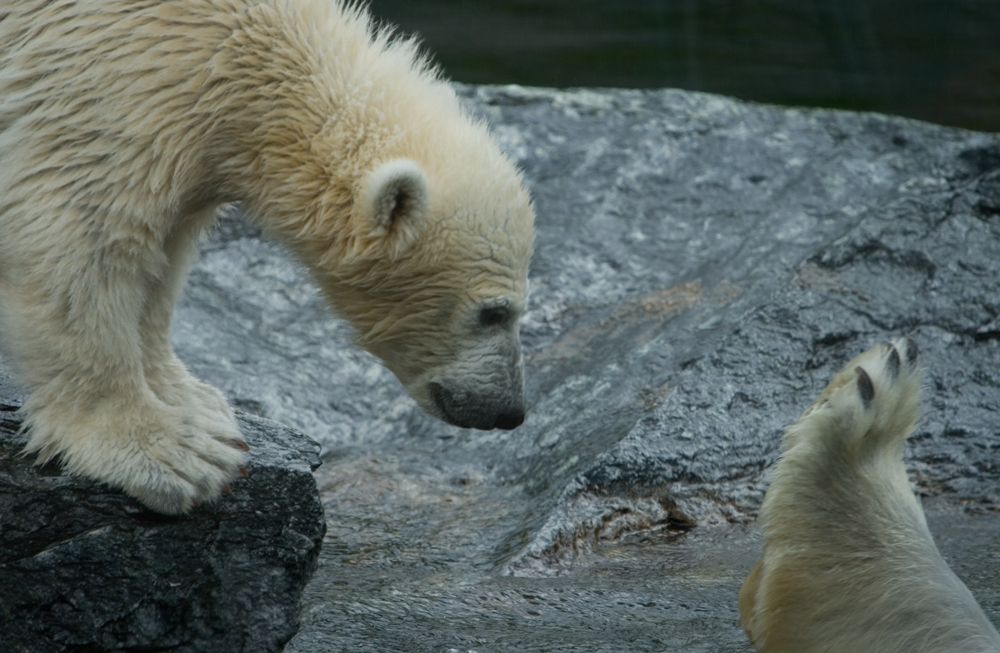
<point>168,457</point>
<point>205,406</point>
<point>873,400</point>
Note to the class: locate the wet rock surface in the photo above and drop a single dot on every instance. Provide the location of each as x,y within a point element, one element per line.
<point>86,568</point>
<point>703,267</point>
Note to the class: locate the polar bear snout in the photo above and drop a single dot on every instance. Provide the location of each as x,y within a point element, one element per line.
<point>482,387</point>
<point>471,410</point>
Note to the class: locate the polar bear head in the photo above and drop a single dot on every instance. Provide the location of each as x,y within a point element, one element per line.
<point>432,273</point>
<point>414,224</point>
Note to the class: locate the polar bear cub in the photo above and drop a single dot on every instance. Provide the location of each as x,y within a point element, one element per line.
<point>848,564</point>
<point>124,124</point>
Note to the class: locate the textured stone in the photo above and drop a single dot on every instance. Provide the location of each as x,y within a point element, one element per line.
<point>703,266</point>
<point>86,568</point>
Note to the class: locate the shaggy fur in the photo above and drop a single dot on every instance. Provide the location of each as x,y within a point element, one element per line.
<point>124,124</point>
<point>848,564</point>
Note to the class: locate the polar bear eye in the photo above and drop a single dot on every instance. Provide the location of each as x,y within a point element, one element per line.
<point>493,316</point>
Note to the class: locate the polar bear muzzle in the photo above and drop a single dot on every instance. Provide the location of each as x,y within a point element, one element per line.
<point>483,386</point>
<point>472,411</point>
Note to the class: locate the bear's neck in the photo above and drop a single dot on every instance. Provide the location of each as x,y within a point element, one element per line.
<point>301,112</point>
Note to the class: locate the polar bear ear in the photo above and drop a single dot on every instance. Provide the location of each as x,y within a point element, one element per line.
<point>395,200</point>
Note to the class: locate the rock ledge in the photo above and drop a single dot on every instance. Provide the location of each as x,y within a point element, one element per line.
<point>86,568</point>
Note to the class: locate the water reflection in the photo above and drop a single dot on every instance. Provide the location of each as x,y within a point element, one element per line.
<point>936,60</point>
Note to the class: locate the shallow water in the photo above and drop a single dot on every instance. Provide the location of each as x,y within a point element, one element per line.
<point>645,593</point>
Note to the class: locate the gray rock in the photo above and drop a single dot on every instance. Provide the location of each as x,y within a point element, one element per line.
<point>703,266</point>
<point>86,568</point>
<point>804,237</point>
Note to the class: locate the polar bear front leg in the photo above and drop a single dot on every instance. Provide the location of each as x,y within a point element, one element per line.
<point>75,322</point>
<point>848,563</point>
<point>133,441</point>
<point>166,375</point>
<point>841,472</point>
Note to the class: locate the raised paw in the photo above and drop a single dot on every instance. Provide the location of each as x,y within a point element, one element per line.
<point>888,387</point>
<point>162,455</point>
<point>848,562</point>
<point>874,398</point>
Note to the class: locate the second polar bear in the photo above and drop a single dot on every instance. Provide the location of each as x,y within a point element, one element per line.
<point>124,124</point>
<point>848,564</point>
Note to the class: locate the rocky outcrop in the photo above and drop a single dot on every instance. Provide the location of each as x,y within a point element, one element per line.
<point>703,266</point>
<point>764,247</point>
<point>86,568</point>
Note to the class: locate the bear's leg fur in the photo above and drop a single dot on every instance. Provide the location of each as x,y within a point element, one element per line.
<point>90,319</point>
<point>848,563</point>
<point>165,374</point>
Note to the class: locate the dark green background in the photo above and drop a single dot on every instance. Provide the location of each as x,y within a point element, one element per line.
<point>936,60</point>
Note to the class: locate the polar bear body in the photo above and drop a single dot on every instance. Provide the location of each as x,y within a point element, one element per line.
<point>848,563</point>
<point>124,124</point>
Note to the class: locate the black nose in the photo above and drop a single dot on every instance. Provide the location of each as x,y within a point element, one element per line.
<point>510,420</point>
<point>472,412</point>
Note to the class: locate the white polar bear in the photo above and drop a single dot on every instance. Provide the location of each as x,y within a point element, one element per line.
<point>124,124</point>
<point>848,565</point>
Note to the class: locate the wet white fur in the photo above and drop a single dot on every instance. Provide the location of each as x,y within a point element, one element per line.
<point>124,124</point>
<point>848,564</point>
